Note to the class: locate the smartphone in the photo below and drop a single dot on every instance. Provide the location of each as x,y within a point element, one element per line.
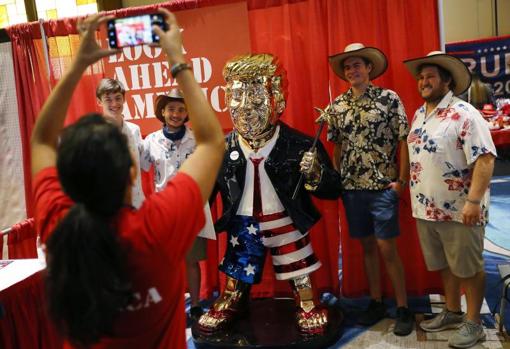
<point>135,30</point>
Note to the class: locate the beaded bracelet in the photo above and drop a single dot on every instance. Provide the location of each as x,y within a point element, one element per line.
<point>177,68</point>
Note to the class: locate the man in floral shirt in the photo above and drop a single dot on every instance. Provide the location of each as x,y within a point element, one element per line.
<point>452,159</point>
<point>368,125</point>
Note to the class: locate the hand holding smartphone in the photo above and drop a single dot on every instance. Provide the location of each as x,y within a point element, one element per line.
<point>171,40</point>
<point>134,30</point>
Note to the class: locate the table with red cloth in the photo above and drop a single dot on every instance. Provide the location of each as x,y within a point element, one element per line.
<point>23,320</point>
<point>501,137</point>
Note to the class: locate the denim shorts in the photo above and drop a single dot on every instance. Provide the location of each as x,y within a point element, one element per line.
<point>372,212</point>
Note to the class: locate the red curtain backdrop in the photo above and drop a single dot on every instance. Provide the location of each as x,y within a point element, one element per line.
<point>32,89</point>
<point>296,32</point>
<point>33,82</point>
<point>402,29</point>
<point>302,33</point>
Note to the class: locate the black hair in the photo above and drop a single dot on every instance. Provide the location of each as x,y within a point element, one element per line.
<point>87,282</point>
<point>444,74</point>
<point>364,59</point>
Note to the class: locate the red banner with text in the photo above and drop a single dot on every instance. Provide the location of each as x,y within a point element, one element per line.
<point>207,42</point>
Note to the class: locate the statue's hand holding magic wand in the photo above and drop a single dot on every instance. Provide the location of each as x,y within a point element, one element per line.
<point>309,165</point>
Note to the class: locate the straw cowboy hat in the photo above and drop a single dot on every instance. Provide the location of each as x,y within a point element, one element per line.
<point>460,73</point>
<point>374,55</point>
<point>162,100</point>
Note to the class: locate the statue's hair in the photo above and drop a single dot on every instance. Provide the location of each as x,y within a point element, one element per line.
<point>250,67</point>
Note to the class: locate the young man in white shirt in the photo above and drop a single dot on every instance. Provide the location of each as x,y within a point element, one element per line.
<point>110,97</point>
<point>166,149</point>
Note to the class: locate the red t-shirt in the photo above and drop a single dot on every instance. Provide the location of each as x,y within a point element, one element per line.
<point>157,236</point>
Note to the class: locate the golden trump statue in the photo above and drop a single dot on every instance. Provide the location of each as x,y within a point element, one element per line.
<point>263,162</point>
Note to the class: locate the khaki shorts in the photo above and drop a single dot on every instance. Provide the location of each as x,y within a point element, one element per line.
<point>453,245</point>
<point>198,251</point>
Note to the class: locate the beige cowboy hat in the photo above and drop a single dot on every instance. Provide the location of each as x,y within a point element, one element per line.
<point>162,100</point>
<point>374,55</point>
<point>460,73</point>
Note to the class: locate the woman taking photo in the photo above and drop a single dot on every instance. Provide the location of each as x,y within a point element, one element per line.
<point>115,276</point>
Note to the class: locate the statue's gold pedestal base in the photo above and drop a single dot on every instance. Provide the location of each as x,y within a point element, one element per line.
<point>270,324</point>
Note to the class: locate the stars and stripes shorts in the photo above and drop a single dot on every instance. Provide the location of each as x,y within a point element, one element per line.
<point>248,239</point>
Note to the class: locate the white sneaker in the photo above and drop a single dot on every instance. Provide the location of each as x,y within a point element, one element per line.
<point>468,335</point>
<point>442,321</point>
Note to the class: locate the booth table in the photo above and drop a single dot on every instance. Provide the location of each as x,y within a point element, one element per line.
<point>501,138</point>
<point>23,320</point>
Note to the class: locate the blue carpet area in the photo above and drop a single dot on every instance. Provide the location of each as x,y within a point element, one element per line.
<point>497,232</point>
<point>498,229</point>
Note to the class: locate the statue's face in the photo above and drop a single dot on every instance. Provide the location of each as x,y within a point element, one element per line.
<point>251,106</point>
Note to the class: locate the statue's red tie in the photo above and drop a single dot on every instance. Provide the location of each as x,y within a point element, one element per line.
<point>257,199</point>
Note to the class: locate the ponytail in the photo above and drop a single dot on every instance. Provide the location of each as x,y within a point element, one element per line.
<point>87,282</point>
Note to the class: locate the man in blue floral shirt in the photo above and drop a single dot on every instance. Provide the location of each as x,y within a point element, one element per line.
<point>368,125</point>
<point>452,159</point>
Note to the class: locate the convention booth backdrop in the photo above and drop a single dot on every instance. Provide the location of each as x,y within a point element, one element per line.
<point>302,33</point>
<point>489,58</point>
